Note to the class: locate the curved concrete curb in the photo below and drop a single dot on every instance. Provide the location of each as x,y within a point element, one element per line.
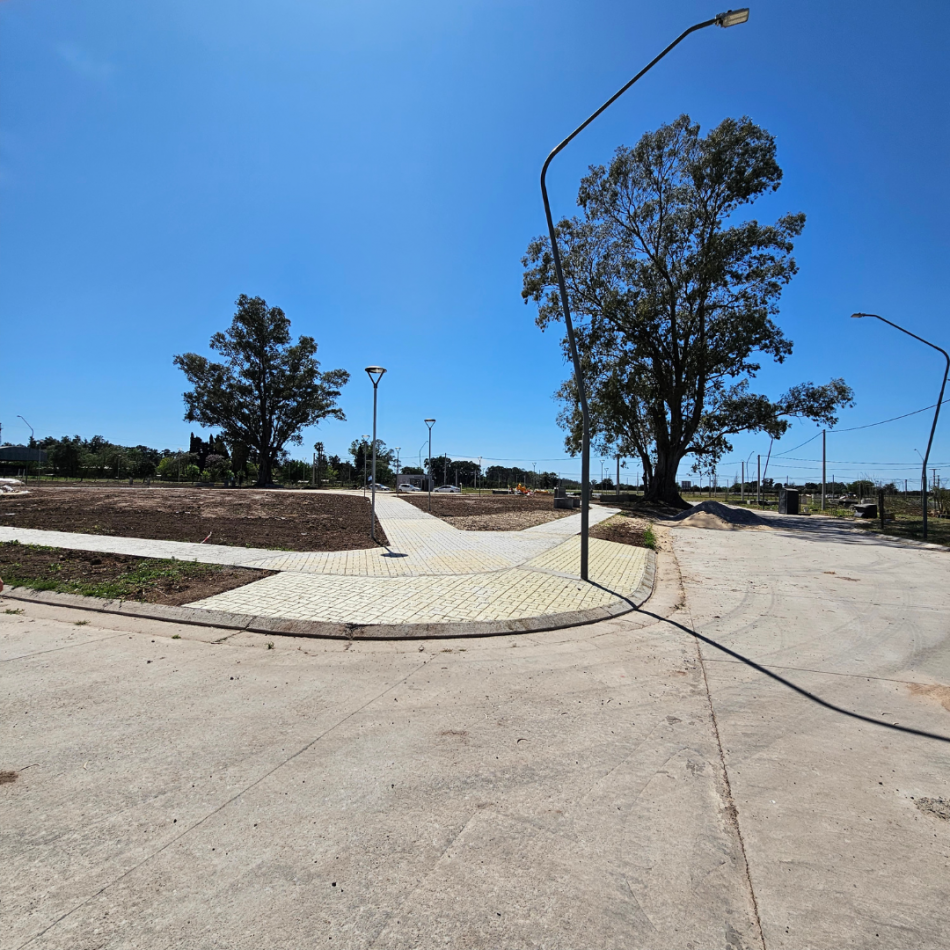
<point>314,628</point>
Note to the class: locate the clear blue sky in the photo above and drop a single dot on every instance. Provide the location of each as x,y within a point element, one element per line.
<point>372,168</point>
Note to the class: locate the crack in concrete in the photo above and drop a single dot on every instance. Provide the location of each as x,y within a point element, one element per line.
<point>731,811</point>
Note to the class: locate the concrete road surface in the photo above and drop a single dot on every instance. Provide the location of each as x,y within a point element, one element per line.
<point>615,785</point>
<point>841,850</point>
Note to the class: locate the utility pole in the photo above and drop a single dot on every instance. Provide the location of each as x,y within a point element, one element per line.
<point>742,485</point>
<point>618,474</point>
<point>824,434</point>
<point>758,480</point>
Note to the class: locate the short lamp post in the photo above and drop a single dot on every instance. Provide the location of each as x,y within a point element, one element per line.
<point>729,18</point>
<point>430,423</point>
<point>375,374</point>
<point>933,428</point>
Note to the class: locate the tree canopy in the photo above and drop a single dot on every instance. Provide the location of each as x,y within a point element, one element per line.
<point>674,301</point>
<point>266,390</point>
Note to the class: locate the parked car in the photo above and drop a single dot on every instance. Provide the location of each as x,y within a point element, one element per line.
<point>453,488</point>
<point>407,487</point>
<point>380,487</point>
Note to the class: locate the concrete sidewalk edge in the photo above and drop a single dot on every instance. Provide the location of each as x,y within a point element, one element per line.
<point>313,628</point>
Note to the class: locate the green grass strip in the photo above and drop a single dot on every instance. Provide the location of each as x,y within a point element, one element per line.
<point>131,584</point>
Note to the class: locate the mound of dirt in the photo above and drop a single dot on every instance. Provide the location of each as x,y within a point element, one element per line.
<point>715,515</point>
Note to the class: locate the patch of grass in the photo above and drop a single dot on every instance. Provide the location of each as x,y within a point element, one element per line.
<point>176,636</point>
<point>82,623</point>
<point>270,644</point>
<point>12,612</point>
<point>130,584</point>
<point>649,538</point>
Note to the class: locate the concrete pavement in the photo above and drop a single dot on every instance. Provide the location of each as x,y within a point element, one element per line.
<point>612,785</point>
<point>556,790</point>
<point>840,852</point>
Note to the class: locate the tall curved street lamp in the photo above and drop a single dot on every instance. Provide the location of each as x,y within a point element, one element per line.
<point>729,18</point>
<point>933,428</point>
<point>430,423</point>
<point>375,374</point>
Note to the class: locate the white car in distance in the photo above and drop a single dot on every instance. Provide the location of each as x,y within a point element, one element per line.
<point>448,488</point>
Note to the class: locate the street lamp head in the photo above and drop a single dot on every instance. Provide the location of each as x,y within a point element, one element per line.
<point>733,17</point>
<point>429,422</point>
<point>375,373</point>
<point>858,316</point>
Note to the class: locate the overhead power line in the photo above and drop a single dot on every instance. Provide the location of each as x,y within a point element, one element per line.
<point>871,425</point>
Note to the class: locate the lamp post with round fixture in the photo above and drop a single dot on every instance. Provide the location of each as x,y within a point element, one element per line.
<point>933,428</point>
<point>729,18</point>
<point>375,374</point>
<point>430,423</point>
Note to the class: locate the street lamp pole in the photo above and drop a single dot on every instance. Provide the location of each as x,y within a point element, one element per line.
<point>375,374</point>
<point>32,439</point>
<point>729,18</point>
<point>430,423</point>
<point>363,439</point>
<point>933,428</point>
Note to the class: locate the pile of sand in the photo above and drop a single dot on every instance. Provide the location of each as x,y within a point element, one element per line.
<point>719,517</point>
<point>11,486</point>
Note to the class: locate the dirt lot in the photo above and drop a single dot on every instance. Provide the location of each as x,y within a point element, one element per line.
<point>291,521</point>
<point>625,528</point>
<point>117,576</point>
<point>490,512</point>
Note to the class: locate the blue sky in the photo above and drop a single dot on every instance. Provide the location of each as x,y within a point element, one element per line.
<point>372,168</point>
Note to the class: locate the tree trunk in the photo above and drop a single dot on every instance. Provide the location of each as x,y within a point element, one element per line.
<point>663,487</point>
<point>263,471</point>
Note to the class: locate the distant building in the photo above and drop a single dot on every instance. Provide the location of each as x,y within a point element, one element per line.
<point>21,453</point>
<point>686,485</point>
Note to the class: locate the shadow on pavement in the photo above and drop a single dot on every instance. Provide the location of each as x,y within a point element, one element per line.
<point>797,689</point>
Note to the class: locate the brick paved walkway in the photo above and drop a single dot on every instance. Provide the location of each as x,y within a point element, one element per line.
<point>431,573</point>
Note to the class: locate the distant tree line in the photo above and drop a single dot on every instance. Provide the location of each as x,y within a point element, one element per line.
<point>211,460</point>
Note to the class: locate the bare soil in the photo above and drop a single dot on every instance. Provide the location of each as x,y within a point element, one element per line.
<point>624,528</point>
<point>490,512</point>
<point>289,521</point>
<point>118,576</point>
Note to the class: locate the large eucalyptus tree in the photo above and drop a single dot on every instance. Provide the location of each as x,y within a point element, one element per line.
<point>267,388</point>
<point>675,298</point>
